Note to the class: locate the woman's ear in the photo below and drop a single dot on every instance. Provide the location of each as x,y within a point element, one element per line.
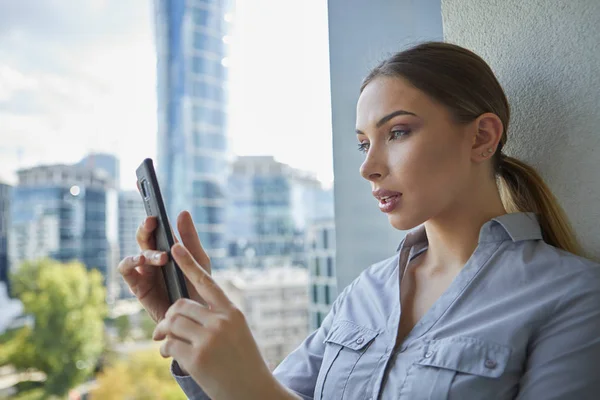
<point>489,132</point>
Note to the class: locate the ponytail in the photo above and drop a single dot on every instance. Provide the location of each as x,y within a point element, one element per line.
<point>522,189</point>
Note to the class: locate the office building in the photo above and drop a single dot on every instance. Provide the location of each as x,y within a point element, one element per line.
<point>5,193</point>
<point>64,212</point>
<point>105,162</point>
<point>274,302</point>
<point>192,160</point>
<point>131,215</point>
<point>271,205</point>
<point>320,245</point>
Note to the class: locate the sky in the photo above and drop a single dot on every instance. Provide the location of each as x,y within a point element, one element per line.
<point>79,76</point>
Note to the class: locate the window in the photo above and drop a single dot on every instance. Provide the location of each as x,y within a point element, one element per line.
<point>315,294</point>
<point>327,295</point>
<point>212,141</point>
<point>207,190</point>
<point>208,67</point>
<point>209,91</point>
<point>205,42</point>
<point>325,244</point>
<point>317,266</point>
<point>330,271</point>
<point>210,240</point>
<point>209,165</point>
<point>209,215</point>
<point>209,116</point>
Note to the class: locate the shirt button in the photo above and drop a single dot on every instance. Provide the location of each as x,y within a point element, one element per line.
<point>428,354</point>
<point>491,364</point>
<point>360,340</point>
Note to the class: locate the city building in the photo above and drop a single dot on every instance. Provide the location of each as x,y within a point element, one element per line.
<point>64,212</point>
<point>274,302</point>
<point>105,162</point>
<point>5,193</point>
<point>11,311</point>
<point>320,248</point>
<point>192,159</point>
<point>270,206</point>
<point>131,215</point>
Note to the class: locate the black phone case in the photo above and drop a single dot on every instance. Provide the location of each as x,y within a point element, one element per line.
<point>153,203</point>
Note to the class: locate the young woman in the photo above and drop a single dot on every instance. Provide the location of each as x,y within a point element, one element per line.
<point>486,297</point>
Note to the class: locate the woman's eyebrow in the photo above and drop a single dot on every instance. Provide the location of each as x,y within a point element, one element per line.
<point>387,118</point>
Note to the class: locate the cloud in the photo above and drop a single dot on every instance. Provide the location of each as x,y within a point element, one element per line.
<point>75,77</point>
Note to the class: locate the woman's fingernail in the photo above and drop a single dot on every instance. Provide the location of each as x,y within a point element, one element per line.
<point>136,259</point>
<point>179,250</point>
<point>157,256</point>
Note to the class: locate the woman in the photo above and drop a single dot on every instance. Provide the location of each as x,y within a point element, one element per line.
<point>485,298</point>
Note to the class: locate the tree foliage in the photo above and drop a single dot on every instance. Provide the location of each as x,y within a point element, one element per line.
<point>68,305</point>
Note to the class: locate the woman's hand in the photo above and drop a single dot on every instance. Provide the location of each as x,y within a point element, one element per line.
<point>142,272</point>
<point>213,343</point>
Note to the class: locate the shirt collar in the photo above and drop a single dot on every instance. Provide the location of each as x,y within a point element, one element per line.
<point>514,226</point>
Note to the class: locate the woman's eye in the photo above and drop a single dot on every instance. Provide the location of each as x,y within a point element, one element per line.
<point>398,133</point>
<point>363,147</point>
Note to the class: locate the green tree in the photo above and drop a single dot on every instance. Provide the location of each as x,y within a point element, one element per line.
<point>123,326</point>
<point>68,305</point>
<point>142,376</point>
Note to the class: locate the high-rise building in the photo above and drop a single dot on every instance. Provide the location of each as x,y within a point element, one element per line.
<point>192,160</point>
<point>131,215</point>
<point>320,245</point>
<point>5,193</point>
<point>65,212</point>
<point>105,162</point>
<point>270,206</point>
<point>274,302</point>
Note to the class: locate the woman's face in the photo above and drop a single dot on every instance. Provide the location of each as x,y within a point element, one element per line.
<point>412,147</point>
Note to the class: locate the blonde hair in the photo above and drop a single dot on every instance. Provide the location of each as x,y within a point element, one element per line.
<point>464,83</point>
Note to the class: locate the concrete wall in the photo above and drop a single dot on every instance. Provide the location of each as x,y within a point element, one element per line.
<point>545,54</point>
<point>362,33</point>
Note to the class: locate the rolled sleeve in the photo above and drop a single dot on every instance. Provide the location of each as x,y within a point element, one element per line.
<point>564,355</point>
<point>189,386</point>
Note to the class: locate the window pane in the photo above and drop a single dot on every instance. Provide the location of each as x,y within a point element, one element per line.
<point>213,141</point>
<point>209,215</point>
<point>209,165</point>
<point>208,91</point>
<point>207,190</point>
<point>205,42</point>
<point>330,271</point>
<point>210,240</point>
<point>209,116</point>
<point>206,66</point>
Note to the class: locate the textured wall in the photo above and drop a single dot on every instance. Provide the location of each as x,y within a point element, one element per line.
<point>362,33</point>
<point>545,54</point>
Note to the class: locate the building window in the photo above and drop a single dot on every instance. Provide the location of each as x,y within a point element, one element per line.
<point>212,141</point>
<point>209,91</point>
<point>210,116</point>
<point>207,190</point>
<point>209,67</point>
<point>315,294</point>
<point>209,165</point>
<point>319,319</point>
<point>209,215</point>
<point>205,42</point>
<point>330,271</point>
<point>317,266</point>
<point>325,243</point>
<point>327,295</point>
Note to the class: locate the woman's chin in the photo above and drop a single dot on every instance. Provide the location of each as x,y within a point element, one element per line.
<point>403,222</point>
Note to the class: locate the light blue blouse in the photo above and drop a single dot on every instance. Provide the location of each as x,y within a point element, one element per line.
<point>521,320</point>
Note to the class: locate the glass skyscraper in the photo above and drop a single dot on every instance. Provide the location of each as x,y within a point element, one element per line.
<point>191,46</point>
<point>64,212</point>
<point>5,193</point>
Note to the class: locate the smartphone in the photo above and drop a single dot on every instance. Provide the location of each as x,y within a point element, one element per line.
<point>153,202</point>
